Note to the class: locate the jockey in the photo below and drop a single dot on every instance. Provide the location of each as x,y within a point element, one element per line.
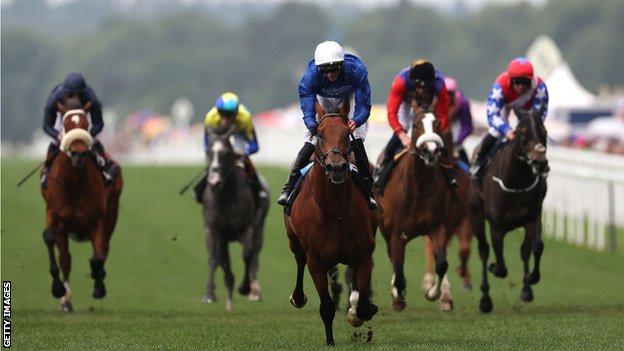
<point>422,84</point>
<point>229,111</point>
<point>74,86</point>
<point>333,77</point>
<point>459,115</point>
<point>516,89</point>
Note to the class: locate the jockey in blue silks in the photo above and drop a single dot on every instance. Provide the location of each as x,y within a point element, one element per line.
<point>331,78</point>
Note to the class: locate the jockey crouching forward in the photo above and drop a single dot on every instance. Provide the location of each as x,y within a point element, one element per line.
<point>459,115</point>
<point>516,89</point>
<point>75,86</point>
<point>331,79</point>
<point>420,84</point>
<point>229,111</point>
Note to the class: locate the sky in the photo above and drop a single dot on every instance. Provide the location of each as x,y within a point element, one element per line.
<point>443,4</point>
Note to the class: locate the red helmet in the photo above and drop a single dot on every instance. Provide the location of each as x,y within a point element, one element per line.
<point>520,67</point>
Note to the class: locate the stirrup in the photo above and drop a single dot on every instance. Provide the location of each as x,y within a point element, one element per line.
<point>283,198</point>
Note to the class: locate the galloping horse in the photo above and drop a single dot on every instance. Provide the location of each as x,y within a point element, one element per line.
<point>78,203</point>
<point>330,223</point>
<point>417,201</point>
<point>514,186</point>
<point>229,215</point>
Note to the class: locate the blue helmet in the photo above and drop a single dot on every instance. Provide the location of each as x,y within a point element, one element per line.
<point>227,104</point>
<point>74,83</point>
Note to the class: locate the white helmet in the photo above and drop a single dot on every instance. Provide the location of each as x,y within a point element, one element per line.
<point>328,52</point>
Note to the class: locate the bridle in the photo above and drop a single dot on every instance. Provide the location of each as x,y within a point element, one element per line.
<point>334,150</point>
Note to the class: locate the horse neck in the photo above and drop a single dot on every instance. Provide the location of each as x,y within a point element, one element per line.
<point>331,197</point>
<point>70,176</point>
<point>231,190</point>
<point>511,169</point>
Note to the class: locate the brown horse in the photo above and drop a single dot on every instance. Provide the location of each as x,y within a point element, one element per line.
<point>513,189</point>
<point>330,223</point>
<point>78,204</point>
<point>417,202</point>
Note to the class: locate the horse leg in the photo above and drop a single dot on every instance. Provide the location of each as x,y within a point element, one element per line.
<point>361,307</point>
<point>334,285</point>
<point>534,229</point>
<point>245,286</point>
<point>58,289</point>
<point>214,259</point>
<point>498,268</point>
<point>465,236</point>
<point>62,243</point>
<point>99,241</point>
<point>254,263</point>
<point>477,221</point>
<point>398,281</point>
<point>348,276</point>
<point>440,239</point>
<point>327,310</point>
<point>298,297</point>
<point>526,294</point>
<point>227,273</point>
<point>428,279</point>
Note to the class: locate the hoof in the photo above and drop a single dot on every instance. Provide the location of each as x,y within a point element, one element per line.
<point>58,289</point>
<point>99,290</point>
<point>366,314</point>
<point>255,296</point>
<point>330,342</point>
<point>498,270</point>
<point>446,305</point>
<point>298,304</point>
<point>532,278</point>
<point>210,298</point>
<point>486,304</point>
<point>353,319</point>
<point>67,307</point>
<point>398,304</point>
<point>432,295</point>
<point>526,295</point>
<point>467,287</point>
<point>244,289</point>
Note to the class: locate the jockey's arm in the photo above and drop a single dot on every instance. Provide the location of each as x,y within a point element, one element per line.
<point>362,100</point>
<point>465,119</point>
<point>541,97</point>
<point>307,96</point>
<point>494,107</point>
<point>97,122</point>
<point>394,101</point>
<point>245,124</point>
<point>441,107</point>
<point>49,114</point>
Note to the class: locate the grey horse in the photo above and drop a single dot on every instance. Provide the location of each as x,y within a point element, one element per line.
<point>230,215</point>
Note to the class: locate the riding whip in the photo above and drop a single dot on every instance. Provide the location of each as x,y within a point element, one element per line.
<point>30,174</point>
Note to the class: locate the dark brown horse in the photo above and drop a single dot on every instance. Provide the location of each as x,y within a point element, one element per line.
<point>78,204</point>
<point>514,186</point>
<point>330,223</point>
<point>416,202</point>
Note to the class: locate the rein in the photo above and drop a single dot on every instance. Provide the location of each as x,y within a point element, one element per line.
<point>504,188</point>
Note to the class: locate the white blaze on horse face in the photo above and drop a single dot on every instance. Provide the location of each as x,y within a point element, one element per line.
<point>214,177</point>
<point>75,119</point>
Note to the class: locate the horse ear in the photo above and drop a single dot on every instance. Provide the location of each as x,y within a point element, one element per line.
<point>62,109</point>
<point>345,108</point>
<point>87,106</point>
<point>320,112</point>
<point>229,132</point>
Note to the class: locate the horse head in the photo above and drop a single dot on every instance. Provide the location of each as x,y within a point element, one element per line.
<point>333,147</point>
<point>76,141</point>
<point>426,133</point>
<point>220,156</point>
<point>531,138</point>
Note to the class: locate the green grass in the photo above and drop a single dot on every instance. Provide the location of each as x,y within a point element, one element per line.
<point>155,285</point>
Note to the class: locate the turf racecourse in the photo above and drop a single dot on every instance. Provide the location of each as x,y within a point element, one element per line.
<point>156,275</point>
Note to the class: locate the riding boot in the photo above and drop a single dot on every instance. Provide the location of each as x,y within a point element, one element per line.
<point>199,188</point>
<point>303,157</point>
<point>104,163</point>
<point>450,176</point>
<point>387,163</point>
<point>53,151</point>
<point>363,166</point>
<point>483,150</point>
